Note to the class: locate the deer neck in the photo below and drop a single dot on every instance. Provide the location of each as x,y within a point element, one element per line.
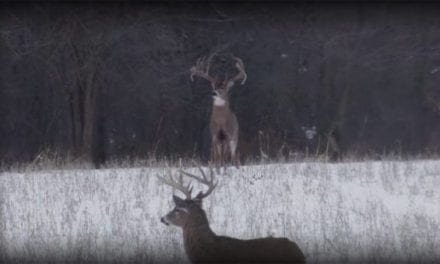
<point>197,240</point>
<point>197,232</point>
<point>199,227</point>
<point>219,102</point>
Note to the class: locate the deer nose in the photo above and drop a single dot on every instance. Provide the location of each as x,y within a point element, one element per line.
<point>164,221</point>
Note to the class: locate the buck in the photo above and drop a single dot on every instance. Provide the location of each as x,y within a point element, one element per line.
<point>223,124</point>
<point>202,245</point>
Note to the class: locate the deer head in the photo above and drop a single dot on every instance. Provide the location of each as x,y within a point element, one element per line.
<point>220,88</point>
<point>188,211</point>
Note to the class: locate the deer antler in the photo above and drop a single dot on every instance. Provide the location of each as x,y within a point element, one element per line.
<point>179,185</point>
<point>201,69</point>
<point>240,75</point>
<point>204,180</point>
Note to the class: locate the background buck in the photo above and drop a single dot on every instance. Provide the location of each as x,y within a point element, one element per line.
<point>223,124</point>
<point>202,245</point>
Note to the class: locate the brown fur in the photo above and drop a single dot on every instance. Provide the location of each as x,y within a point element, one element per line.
<point>202,245</point>
<point>224,130</point>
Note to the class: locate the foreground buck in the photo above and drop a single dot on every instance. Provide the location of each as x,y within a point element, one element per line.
<point>202,245</point>
<point>223,124</point>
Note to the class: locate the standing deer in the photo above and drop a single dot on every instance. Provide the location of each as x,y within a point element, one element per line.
<point>202,245</point>
<point>223,124</point>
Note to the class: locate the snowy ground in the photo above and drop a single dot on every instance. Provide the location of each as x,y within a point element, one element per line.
<point>365,212</point>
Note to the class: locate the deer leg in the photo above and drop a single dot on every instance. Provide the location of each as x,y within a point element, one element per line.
<point>222,154</point>
<point>214,151</point>
<point>212,156</point>
<point>232,149</point>
<point>217,149</point>
<point>225,155</point>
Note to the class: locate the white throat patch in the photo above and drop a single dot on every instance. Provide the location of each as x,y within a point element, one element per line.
<point>219,101</point>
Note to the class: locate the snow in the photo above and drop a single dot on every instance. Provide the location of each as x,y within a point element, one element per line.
<point>359,212</point>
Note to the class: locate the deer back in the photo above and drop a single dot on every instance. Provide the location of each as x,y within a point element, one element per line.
<point>202,248</point>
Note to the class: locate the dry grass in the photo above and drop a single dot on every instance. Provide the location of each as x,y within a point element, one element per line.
<point>361,212</point>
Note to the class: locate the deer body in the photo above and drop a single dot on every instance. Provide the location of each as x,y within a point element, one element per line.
<point>224,130</point>
<point>202,245</point>
<point>223,123</point>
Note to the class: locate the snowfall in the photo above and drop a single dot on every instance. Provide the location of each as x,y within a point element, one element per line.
<point>351,212</point>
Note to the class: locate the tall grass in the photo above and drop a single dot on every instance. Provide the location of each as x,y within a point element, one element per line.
<point>353,212</point>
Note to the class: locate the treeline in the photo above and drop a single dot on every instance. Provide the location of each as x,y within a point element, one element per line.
<point>102,81</point>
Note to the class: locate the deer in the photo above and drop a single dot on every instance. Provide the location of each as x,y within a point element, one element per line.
<point>202,245</point>
<point>223,123</point>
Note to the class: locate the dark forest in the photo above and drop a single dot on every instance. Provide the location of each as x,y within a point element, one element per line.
<point>107,81</point>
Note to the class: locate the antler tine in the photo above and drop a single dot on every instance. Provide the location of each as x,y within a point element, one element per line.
<point>209,62</point>
<point>195,69</point>
<point>201,69</point>
<point>179,185</point>
<point>200,62</point>
<point>208,182</point>
<point>203,173</point>
<point>240,66</point>
<point>240,75</point>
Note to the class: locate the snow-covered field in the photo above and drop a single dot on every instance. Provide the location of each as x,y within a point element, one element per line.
<point>360,212</point>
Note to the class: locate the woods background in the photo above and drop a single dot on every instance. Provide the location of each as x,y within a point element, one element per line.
<point>105,81</point>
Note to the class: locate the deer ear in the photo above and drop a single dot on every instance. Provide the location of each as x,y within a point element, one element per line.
<point>178,201</point>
